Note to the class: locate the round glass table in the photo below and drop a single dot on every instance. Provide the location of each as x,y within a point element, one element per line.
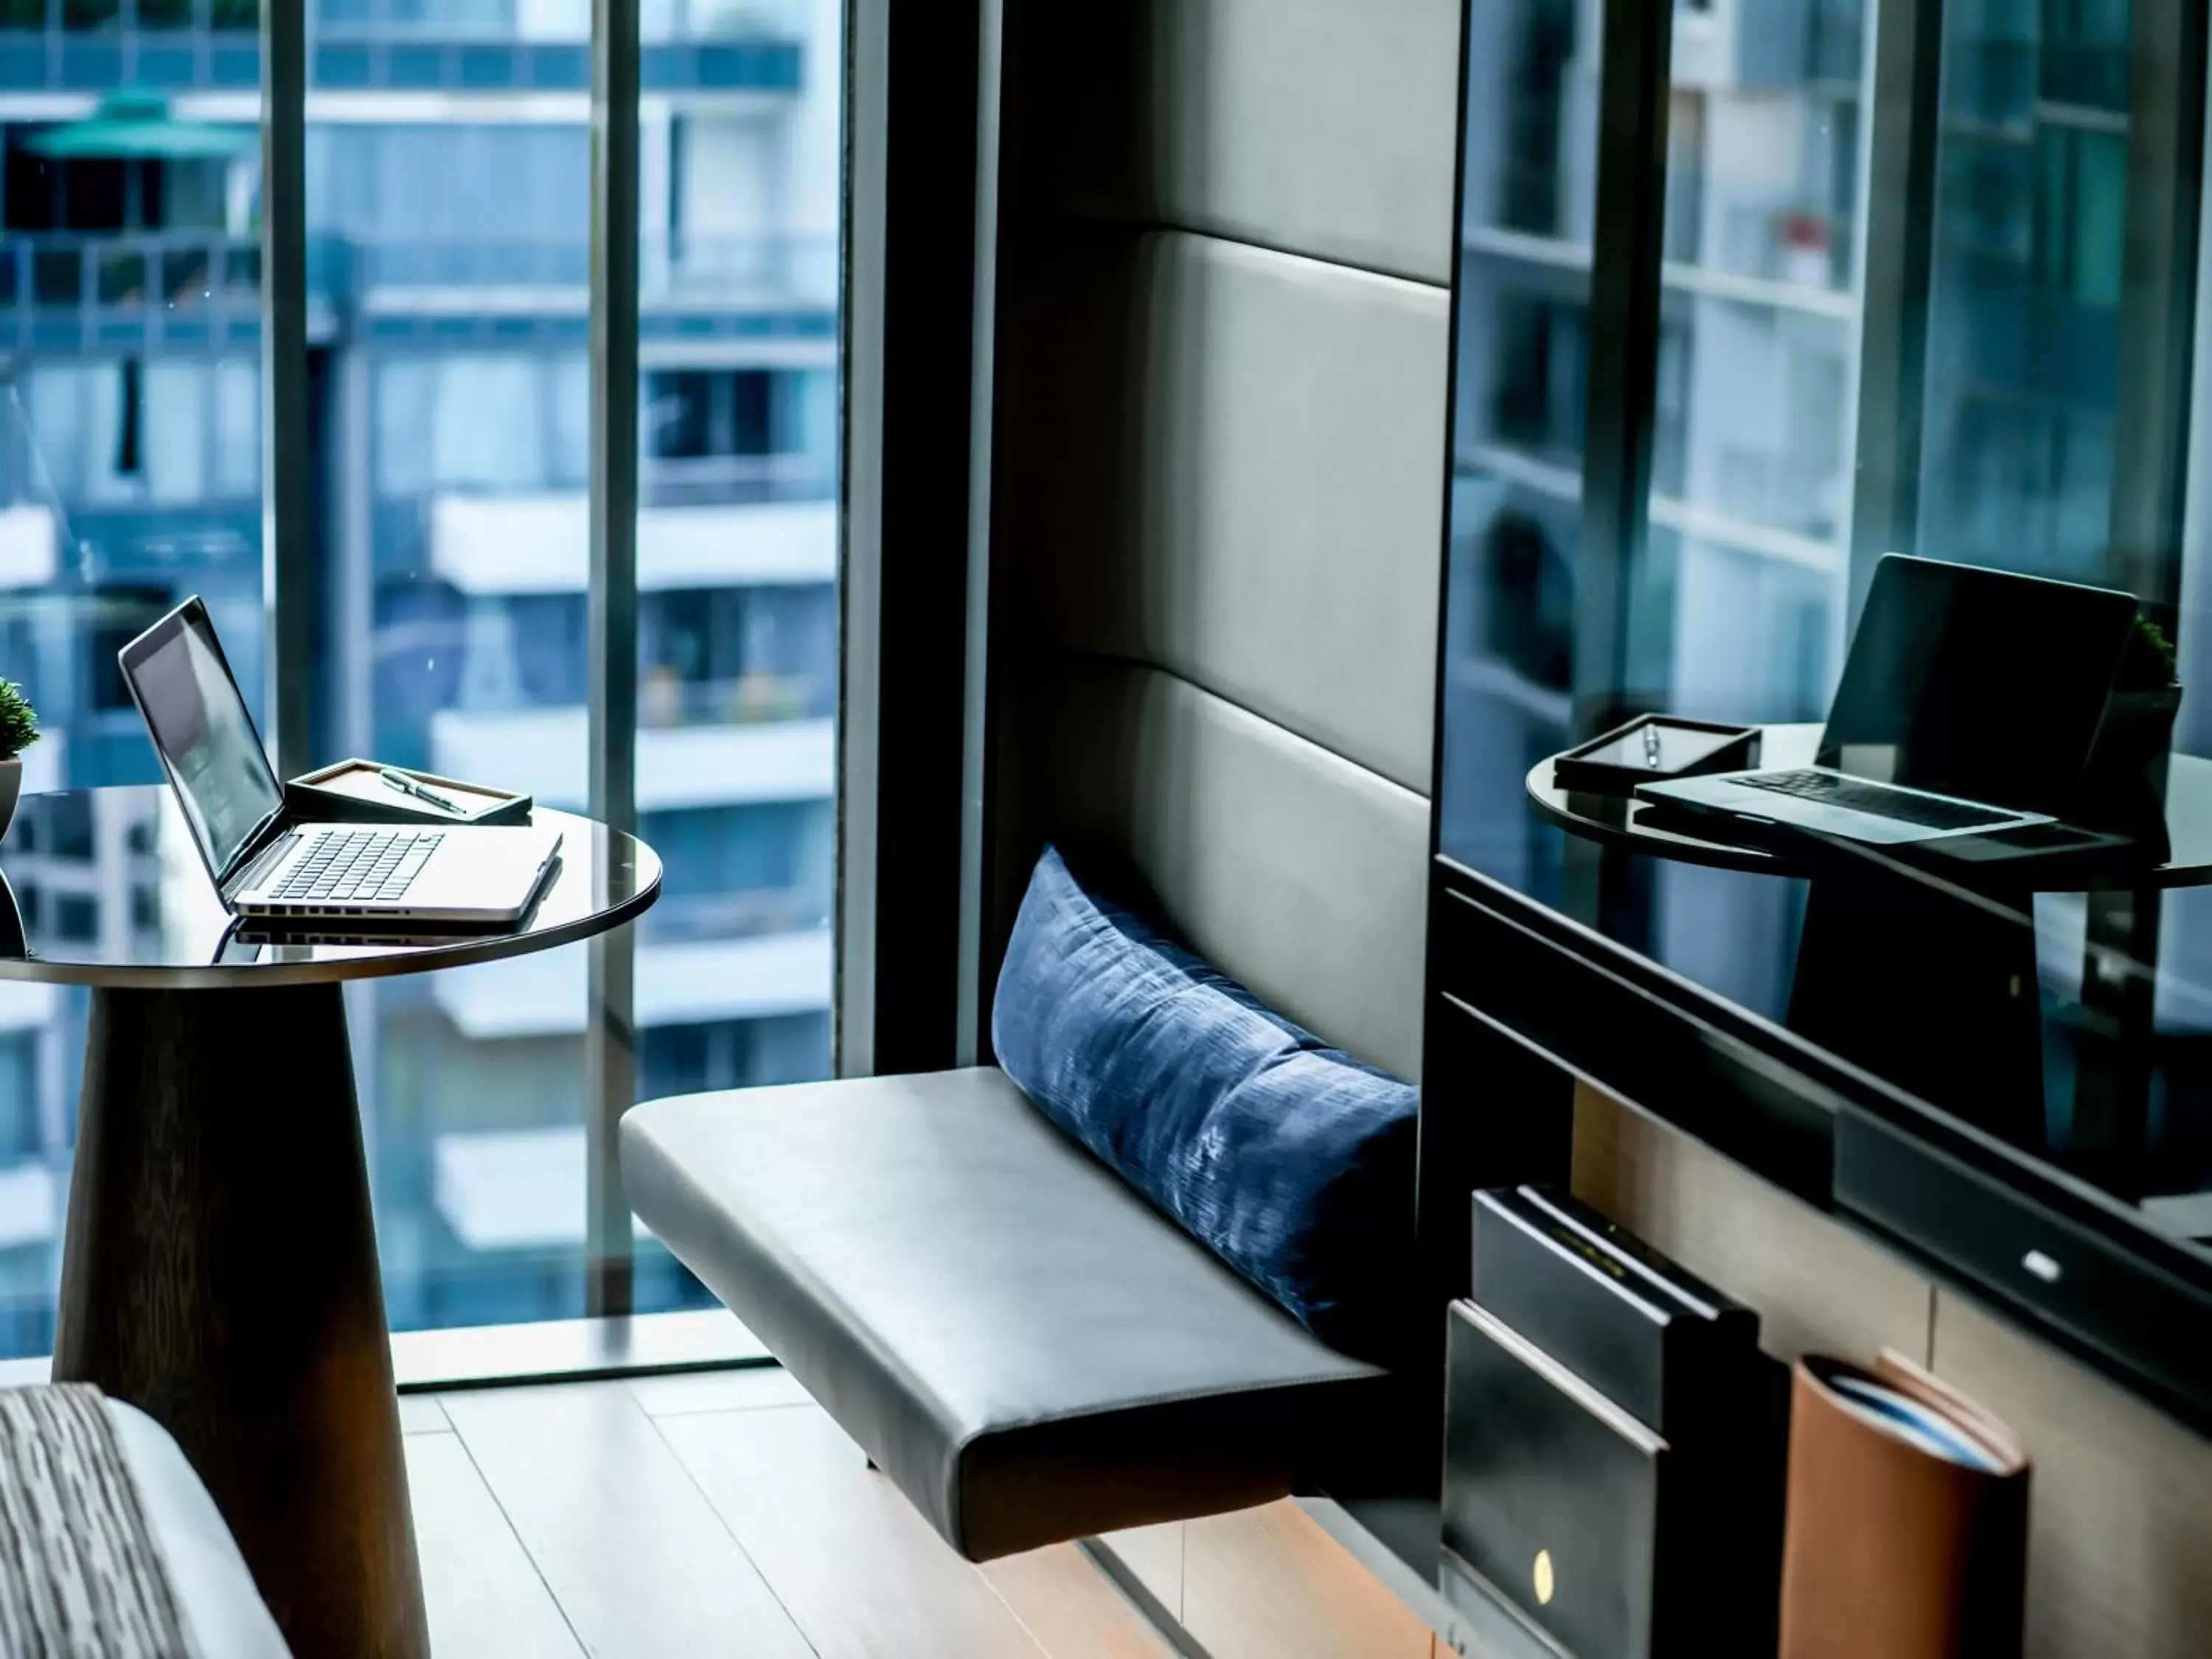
<point>219,1265</point>
<point>1932,979</point>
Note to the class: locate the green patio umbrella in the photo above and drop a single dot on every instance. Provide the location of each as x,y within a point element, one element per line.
<point>138,126</point>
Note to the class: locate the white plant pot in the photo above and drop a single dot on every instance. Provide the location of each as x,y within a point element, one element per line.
<point>11,789</point>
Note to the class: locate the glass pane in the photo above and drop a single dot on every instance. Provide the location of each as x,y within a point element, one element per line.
<point>2011,405</point>
<point>737,566</point>
<point>130,479</point>
<point>1530,204</point>
<point>2031,171</point>
<point>455,232</point>
<point>1735,605</point>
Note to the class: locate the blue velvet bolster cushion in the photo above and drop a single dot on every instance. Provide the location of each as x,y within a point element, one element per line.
<point>1293,1161</point>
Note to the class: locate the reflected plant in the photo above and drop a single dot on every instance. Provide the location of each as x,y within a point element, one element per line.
<point>2148,663</point>
<point>19,721</point>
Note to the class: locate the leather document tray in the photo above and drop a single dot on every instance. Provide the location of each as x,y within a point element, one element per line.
<point>1892,1549</point>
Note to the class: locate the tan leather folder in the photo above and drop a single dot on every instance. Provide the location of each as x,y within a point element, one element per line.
<point>1891,1551</point>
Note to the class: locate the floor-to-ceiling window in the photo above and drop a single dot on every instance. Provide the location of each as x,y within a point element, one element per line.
<point>130,477</point>
<point>448,451</point>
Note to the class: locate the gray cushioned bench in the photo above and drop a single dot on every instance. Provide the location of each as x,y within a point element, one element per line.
<point>1029,1349</point>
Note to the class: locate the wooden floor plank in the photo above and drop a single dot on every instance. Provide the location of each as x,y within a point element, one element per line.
<point>1154,1555</point>
<point>861,1571</point>
<point>483,1595</point>
<point>420,1413</point>
<point>717,1391</point>
<point>1070,1608</point>
<point>635,1557</point>
<point>1269,1583</point>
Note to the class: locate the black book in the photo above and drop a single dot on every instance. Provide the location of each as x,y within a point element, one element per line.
<point>1651,1336</point>
<point>1613,1439</point>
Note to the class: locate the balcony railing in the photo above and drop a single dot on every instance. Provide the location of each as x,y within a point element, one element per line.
<point>91,46</point>
<point>101,46</point>
<point>759,914</point>
<point>738,480</point>
<point>1835,41</point>
<point>78,293</point>
<point>2087,76</point>
<point>761,699</point>
<point>106,16</point>
<point>671,269</point>
<point>75,292</point>
<point>157,270</point>
<point>554,20</point>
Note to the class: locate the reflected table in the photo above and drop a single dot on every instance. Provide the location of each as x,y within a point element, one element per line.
<point>1929,980</point>
<point>219,1265</point>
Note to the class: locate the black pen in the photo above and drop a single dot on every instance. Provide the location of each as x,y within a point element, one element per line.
<point>407,786</point>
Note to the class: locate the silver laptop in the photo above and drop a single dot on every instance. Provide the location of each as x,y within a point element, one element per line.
<point>271,869</point>
<point>1969,704</point>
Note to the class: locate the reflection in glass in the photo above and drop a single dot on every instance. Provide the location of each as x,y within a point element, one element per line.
<point>130,477</point>
<point>462,529</point>
<point>2044,291</point>
<point>447,172</point>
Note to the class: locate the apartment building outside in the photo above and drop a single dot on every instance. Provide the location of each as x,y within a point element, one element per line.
<point>1739,606</point>
<point>449,158</point>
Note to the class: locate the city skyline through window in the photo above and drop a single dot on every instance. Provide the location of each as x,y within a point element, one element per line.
<point>451,419</point>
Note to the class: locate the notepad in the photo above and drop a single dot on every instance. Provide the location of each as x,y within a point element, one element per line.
<point>1914,1422</point>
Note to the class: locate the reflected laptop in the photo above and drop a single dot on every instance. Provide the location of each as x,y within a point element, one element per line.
<point>1968,706</point>
<point>272,869</point>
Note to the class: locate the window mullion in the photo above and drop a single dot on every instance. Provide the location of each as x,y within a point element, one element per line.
<point>610,1057</point>
<point>287,549</point>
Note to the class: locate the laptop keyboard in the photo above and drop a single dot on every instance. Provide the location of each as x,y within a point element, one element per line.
<point>359,864</point>
<point>1831,790</point>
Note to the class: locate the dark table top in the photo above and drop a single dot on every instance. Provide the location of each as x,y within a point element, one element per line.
<point>108,891</point>
<point>1619,822</point>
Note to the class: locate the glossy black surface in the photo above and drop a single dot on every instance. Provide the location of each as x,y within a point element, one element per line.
<point>1634,826</point>
<point>1979,683</point>
<point>1974,994</point>
<point>1689,419</point>
<point>170,929</point>
<point>1977,1211</point>
<point>1561,1502</point>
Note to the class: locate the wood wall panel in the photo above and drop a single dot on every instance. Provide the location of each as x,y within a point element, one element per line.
<point>1816,1284</point>
<point>2120,1556</point>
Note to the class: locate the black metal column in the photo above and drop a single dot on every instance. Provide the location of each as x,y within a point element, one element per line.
<point>1899,285</point>
<point>1635,84</point>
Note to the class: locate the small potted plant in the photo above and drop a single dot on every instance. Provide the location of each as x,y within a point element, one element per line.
<point>19,730</point>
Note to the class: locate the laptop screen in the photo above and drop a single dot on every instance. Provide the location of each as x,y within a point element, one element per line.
<point>202,733</point>
<point>1976,682</point>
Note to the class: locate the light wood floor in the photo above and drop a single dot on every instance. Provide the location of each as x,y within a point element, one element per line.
<point>725,1514</point>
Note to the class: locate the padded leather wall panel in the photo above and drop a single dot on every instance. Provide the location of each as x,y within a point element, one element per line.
<point>1228,462</point>
<point>1320,126</point>
<point>1298,872</point>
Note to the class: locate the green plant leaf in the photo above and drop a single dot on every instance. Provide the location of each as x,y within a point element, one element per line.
<point>19,721</point>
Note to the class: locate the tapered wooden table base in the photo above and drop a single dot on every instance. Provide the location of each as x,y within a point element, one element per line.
<point>220,1273</point>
